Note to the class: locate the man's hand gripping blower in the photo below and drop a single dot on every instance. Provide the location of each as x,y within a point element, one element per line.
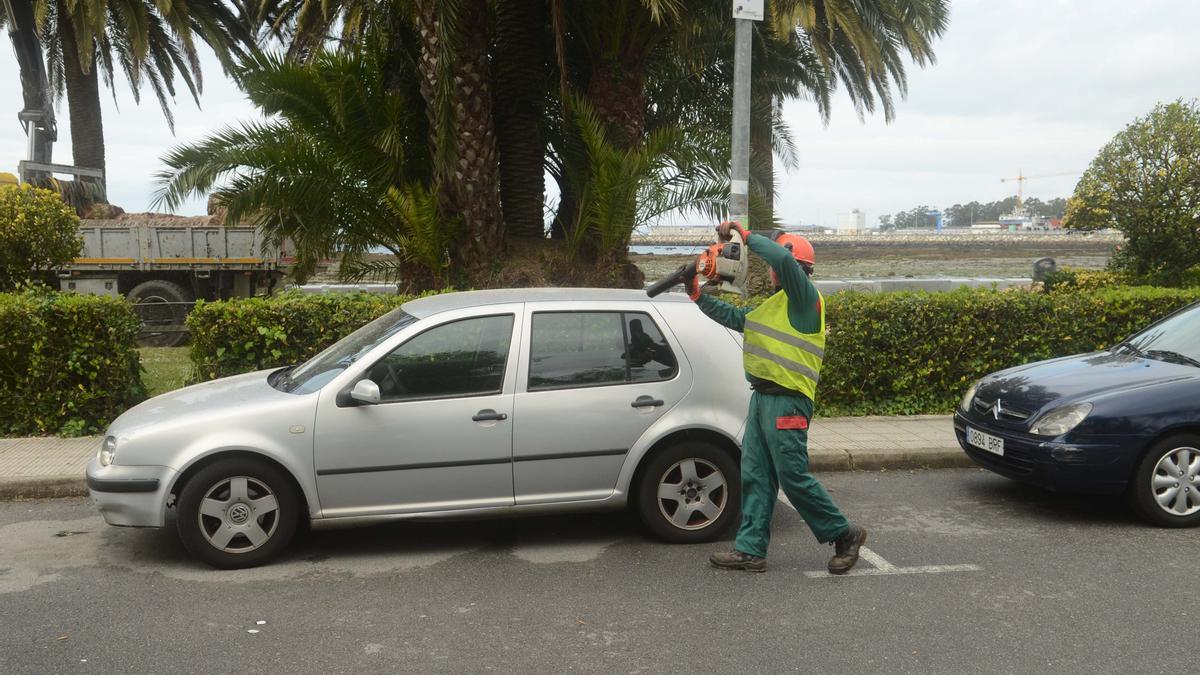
<point>725,262</point>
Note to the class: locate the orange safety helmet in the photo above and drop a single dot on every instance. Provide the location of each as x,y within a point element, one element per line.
<point>801,249</point>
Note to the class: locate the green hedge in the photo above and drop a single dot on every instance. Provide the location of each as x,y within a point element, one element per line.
<point>889,353</point>
<point>69,366</point>
<point>243,335</point>
<point>910,353</point>
<point>1073,280</point>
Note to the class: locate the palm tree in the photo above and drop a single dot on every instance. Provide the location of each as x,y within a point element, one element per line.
<point>696,86</point>
<point>456,84</point>
<point>151,43</point>
<point>643,51</point>
<point>340,167</point>
<point>305,27</point>
<point>640,65</point>
<point>865,43</point>
<point>670,170</point>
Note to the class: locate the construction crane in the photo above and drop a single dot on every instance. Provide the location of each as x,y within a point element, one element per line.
<point>37,117</point>
<point>1020,179</point>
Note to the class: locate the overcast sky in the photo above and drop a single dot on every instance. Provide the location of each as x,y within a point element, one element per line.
<point>1031,85</point>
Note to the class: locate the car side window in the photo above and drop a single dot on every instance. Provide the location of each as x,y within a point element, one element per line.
<point>461,358</point>
<point>587,349</point>
<point>576,349</point>
<point>649,356</point>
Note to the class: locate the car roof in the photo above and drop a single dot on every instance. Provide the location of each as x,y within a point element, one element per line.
<point>435,304</point>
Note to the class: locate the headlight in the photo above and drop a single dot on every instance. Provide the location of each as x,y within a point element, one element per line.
<point>1061,420</point>
<point>965,404</point>
<point>108,451</point>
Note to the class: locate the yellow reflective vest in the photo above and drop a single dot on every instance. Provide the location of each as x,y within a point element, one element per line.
<point>773,350</point>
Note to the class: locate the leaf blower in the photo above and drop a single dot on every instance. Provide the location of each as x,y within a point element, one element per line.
<point>725,262</point>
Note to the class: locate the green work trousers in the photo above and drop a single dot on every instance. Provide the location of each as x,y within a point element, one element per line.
<point>772,458</point>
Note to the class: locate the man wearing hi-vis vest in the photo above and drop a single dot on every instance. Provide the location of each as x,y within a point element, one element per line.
<point>783,348</point>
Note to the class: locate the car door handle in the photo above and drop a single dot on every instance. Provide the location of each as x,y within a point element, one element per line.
<point>647,402</point>
<point>489,415</point>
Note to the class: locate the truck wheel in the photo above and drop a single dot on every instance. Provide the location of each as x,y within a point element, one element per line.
<point>162,322</point>
<point>237,513</point>
<point>689,493</point>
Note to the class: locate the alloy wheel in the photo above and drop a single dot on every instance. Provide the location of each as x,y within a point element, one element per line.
<point>692,494</point>
<point>238,514</point>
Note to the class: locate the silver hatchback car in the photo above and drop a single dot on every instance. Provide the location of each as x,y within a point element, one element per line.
<point>485,403</point>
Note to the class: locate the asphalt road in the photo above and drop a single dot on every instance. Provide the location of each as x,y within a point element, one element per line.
<point>1063,584</point>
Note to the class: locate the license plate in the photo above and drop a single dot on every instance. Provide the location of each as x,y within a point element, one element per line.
<point>992,444</point>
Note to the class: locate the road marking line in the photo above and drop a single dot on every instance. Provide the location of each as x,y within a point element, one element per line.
<point>881,567</point>
<point>875,560</point>
<point>876,572</point>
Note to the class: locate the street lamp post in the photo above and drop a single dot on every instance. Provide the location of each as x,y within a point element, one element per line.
<point>744,12</point>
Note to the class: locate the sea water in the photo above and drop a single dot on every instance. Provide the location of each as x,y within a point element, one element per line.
<point>668,250</point>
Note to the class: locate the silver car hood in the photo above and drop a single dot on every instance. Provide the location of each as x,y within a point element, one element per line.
<point>202,403</point>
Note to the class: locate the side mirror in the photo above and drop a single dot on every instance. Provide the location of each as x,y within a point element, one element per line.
<point>365,391</point>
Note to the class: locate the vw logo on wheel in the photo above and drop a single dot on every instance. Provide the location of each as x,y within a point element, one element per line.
<point>239,514</point>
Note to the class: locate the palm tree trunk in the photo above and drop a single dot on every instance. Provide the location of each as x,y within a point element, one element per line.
<point>617,92</point>
<point>520,78</point>
<point>83,101</point>
<point>465,157</point>
<point>762,167</point>
<point>762,185</point>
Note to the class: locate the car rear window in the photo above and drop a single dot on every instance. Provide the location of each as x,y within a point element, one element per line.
<point>588,349</point>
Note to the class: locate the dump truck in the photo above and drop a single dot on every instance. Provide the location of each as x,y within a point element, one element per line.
<point>165,263</point>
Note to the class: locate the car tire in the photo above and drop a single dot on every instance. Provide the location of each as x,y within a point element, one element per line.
<point>227,518</point>
<point>698,478</point>
<point>1163,492</point>
<point>152,296</point>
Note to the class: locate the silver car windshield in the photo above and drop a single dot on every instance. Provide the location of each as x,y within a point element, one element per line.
<point>320,369</point>
<point>1176,340</point>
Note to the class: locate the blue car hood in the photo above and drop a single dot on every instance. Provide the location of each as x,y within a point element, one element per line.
<point>1084,377</point>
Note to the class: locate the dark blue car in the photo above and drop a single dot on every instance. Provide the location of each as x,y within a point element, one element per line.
<point>1123,421</point>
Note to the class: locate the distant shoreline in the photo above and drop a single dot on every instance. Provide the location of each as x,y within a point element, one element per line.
<point>945,238</point>
<point>996,256</point>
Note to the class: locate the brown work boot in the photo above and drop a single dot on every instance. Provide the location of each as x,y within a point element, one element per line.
<point>845,549</point>
<point>736,560</point>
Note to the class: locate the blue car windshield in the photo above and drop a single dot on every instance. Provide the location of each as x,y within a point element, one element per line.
<point>320,369</point>
<point>1176,340</point>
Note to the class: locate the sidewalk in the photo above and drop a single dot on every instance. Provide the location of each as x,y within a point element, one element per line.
<point>48,467</point>
<point>874,443</point>
<point>45,467</point>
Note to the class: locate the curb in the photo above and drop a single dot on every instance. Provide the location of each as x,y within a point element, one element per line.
<point>939,458</point>
<point>885,460</point>
<point>23,489</point>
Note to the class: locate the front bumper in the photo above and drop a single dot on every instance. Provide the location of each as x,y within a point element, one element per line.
<point>130,496</point>
<point>1099,468</point>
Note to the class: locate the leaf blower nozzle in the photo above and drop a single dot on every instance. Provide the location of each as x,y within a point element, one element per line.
<point>677,277</point>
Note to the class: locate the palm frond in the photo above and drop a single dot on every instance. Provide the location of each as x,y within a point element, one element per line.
<point>335,168</point>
